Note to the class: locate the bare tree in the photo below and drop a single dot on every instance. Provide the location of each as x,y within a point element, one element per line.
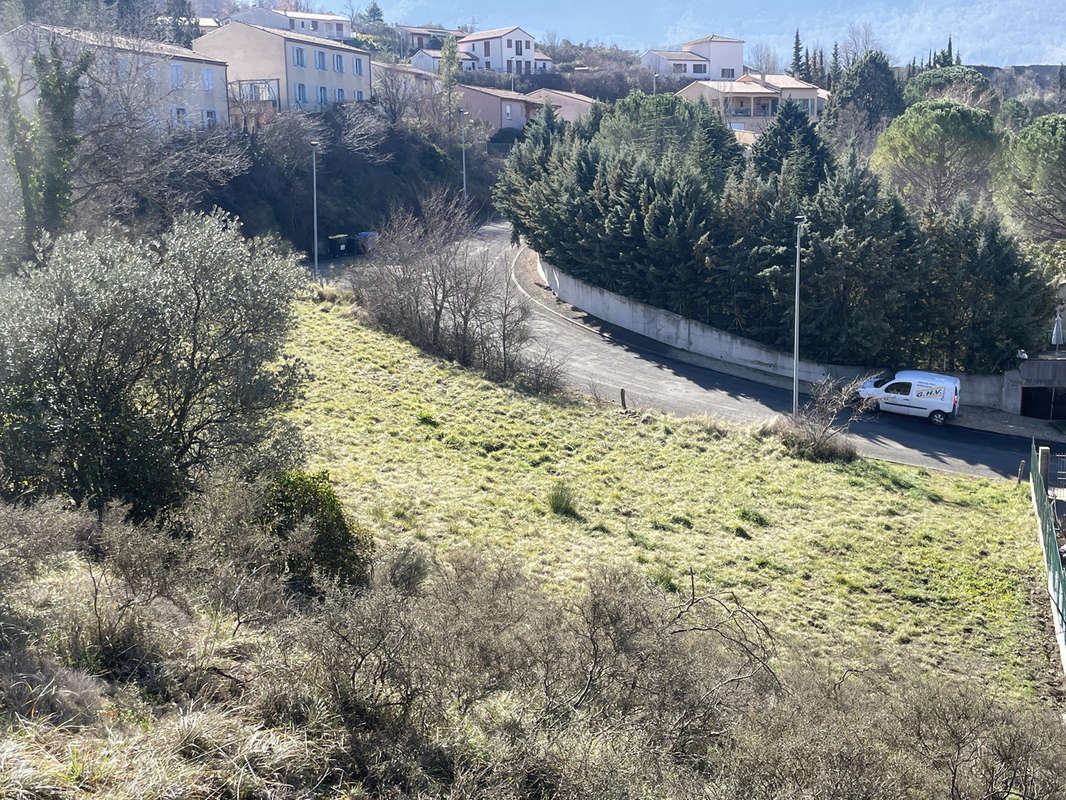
<point>819,431</point>
<point>433,283</point>
<point>859,41</point>
<point>764,59</point>
<point>363,132</point>
<point>399,93</point>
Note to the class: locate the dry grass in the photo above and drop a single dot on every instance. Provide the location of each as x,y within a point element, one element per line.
<point>867,562</point>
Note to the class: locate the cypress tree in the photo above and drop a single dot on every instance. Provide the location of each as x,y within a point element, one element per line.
<point>797,56</point>
<point>836,71</point>
<point>770,150</point>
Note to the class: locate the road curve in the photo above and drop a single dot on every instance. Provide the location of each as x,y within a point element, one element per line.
<point>600,359</point>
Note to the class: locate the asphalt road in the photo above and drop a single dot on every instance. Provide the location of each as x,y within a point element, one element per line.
<point>600,359</point>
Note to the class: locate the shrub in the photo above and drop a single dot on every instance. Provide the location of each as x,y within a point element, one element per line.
<point>303,502</point>
<point>561,500</point>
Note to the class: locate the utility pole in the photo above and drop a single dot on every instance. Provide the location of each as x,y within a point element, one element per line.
<point>654,77</point>
<point>796,324</point>
<point>314,200</point>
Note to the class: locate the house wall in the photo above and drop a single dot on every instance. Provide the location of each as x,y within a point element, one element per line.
<point>123,81</point>
<point>500,53</point>
<point>252,54</point>
<point>424,62</point>
<point>482,107</point>
<point>569,108</point>
<point>260,16</point>
<point>313,78</point>
<point>327,29</point>
<point>255,54</point>
<point>664,66</point>
<point>721,55</point>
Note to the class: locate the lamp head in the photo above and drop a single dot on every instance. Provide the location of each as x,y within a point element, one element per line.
<point>314,143</point>
<point>800,220</point>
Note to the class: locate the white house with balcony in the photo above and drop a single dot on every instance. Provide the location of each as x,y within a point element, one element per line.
<point>504,50</point>
<point>709,58</point>
<point>422,37</point>
<point>291,70</point>
<point>128,77</point>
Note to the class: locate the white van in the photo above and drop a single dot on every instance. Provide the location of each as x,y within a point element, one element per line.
<point>919,394</point>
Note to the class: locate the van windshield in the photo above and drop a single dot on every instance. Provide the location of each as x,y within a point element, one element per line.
<point>881,382</point>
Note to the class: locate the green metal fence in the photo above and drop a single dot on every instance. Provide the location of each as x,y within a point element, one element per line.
<point>1056,578</point>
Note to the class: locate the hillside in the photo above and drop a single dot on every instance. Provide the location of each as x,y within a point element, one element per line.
<point>863,563</point>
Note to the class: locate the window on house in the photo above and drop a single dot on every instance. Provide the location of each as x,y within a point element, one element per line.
<point>340,95</point>
<point>303,24</point>
<point>320,59</point>
<point>210,119</point>
<point>486,48</point>
<point>728,72</point>
<point>181,118</point>
<point>340,28</point>
<point>357,66</point>
<point>358,94</point>
<point>510,65</point>
<point>529,67</point>
<point>700,69</point>
<point>177,76</point>
<point>420,42</point>
<point>488,64</point>
<point>517,48</point>
<point>338,62</point>
<point>314,25</point>
<point>510,44</point>
<point>680,67</point>
<point>528,45</point>
<point>323,95</point>
<point>208,76</point>
<point>507,111</point>
<point>301,93</point>
<point>299,58</point>
<point>292,24</point>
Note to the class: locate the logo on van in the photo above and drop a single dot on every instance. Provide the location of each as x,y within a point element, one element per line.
<point>926,394</point>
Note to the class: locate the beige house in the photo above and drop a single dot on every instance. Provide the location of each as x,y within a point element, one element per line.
<point>746,106</point>
<point>429,60</point>
<point>709,58</point>
<point>808,96</point>
<point>750,102</point>
<point>504,50</point>
<point>570,106</point>
<point>498,108</point>
<point>160,82</point>
<point>290,70</point>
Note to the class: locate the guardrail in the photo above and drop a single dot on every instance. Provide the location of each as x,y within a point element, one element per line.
<point>1056,576</point>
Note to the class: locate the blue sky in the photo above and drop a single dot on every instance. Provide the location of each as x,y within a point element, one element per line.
<point>996,32</point>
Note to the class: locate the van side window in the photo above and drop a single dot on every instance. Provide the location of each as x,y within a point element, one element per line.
<point>898,388</point>
<point>881,382</point>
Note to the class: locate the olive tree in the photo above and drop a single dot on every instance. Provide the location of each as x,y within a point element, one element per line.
<point>129,368</point>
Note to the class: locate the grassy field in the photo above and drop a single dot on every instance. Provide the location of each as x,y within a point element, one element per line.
<point>866,563</point>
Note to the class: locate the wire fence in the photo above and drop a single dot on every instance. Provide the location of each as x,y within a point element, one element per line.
<point>1045,512</point>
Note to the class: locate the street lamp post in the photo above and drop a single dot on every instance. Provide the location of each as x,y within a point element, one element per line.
<point>314,199</point>
<point>462,128</point>
<point>796,324</point>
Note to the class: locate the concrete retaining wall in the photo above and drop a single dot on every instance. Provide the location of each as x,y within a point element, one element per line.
<point>697,343</point>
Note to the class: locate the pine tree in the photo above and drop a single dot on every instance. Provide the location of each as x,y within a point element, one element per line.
<point>836,70</point>
<point>1062,85</point>
<point>770,150</point>
<point>182,24</point>
<point>805,70</point>
<point>373,14</point>
<point>797,56</point>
